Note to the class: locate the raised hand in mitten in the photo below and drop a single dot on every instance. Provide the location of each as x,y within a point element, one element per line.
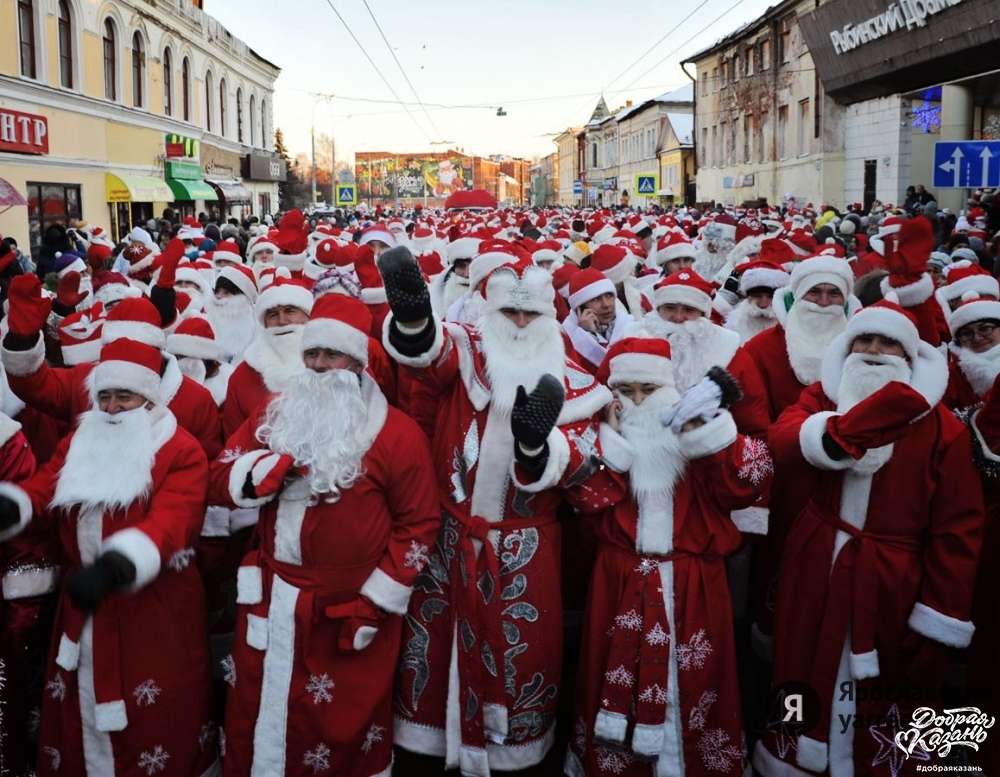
<point>89,586</point>
<point>29,309</point>
<point>360,624</point>
<point>877,420</point>
<point>168,261</point>
<point>267,476</point>
<point>907,251</point>
<point>534,415</point>
<point>68,294</point>
<point>718,390</point>
<point>405,289</point>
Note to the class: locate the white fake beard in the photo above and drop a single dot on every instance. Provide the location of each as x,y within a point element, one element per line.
<point>519,357</point>
<point>233,322</point>
<point>691,352</point>
<point>809,329</point>
<point>748,320</point>
<point>454,287</point>
<point>980,369</point>
<point>193,368</point>
<point>87,287</point>
<point>858,381</point>
<point>472,309</point>
<point>319,420</point>
<point>707,263</point>
<point>658,462</point>
<point>109,464</point>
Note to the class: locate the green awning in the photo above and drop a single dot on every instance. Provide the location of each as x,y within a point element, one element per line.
<point>192,190</point>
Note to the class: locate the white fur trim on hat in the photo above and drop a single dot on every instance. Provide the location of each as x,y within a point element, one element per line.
<point>984,285</point>
<point>591,291</point>
<point>139,331</point>
<point>641,368</point>
<point>911,294</point>
<point>77,265</point>
<point>625,268</point>
<point>679,294</point>
<point>81,353</point>
<point>531,291</point>
<point>115,374</point>
<point>110,293</point>
<point>240,280</point>
<point>821,269</point>
<point>885,322</point>
<point>979,310</point>
<point>676,251</point>
<point>463,248</point>
<point>194,347</point>
<point>226,256</point>
<point>334,334</point>
<point>762,276</point>
<point>282,294</point>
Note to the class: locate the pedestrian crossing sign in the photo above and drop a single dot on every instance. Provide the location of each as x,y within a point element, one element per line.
<point>347,194</point>
<point>645,183</point>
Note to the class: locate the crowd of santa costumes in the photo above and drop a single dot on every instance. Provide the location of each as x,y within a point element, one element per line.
<point>317,505</point>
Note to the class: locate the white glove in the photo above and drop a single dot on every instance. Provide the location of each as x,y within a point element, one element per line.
<point>703,400</point>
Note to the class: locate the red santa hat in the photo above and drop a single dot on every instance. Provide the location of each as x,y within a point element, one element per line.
<point>463,247</point>
<point>430,263</point>
<point>962,277</point>
<point>98,256</point>
<point>673,246</point>
<point>588,284</point>
<point>291,237</point>
<point>422,239</point>
<point>637,360</point>
<point>112,287</point>
<point>242,278</point>
<point>284,291</point>
<point>372,287</point>
<point>562,277</point>
<point>889,225</point>
<point>191,229</point>
<point>755,275</point>
<point>684,287</point>
<point>485,263</point>
<point>261,244</point>
<point>748,226</point>
<point>80,336</point>
<point>888,319</point>
<point>378,232</point>
<point>821,269</point>
<point>724,226</point>
<point>226,251</point>
<point>130,365</point>
<point>194,272</point>
<point>325,256</point>
<point>340,323</point>
<point>135,319</point>
<point>194,338</point>
<point>777,251</point>
<point>974,307</point>
<point>548,251</point>
<point>520,285</point>
<point>616,262</point>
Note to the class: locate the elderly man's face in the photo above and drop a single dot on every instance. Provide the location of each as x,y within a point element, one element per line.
<point>877,345</point>
<point>326,359</point>
<point>114,401</point>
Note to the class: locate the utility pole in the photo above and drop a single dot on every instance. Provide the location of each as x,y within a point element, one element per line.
<point>317,98</point>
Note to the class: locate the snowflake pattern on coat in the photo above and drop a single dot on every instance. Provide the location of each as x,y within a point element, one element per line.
<point>317,759</point>
<point>693,653</point>
<point>320,686</point>
<point>654,694</point>
<point>612,761</point>
<point>646,566</point>
<point>619,676</point>
<point>56,687</point>
<point>154,760</point>
<point>718,754</point>
<point>629,621</point>
<point>182,559</point>
<point>756,465</point>
<point>229,670</point>
<point>416,557</point>
<point>374,735</point>
<point>699,712</point>
<point>146,692</point>
<point>656,636</point>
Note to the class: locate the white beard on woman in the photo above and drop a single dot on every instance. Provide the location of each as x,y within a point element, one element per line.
<point>233,322</point>
<point>658,461</point>
<point>980,369</point>
<point>748,319</point>
<point>518,356</point>
<point>809,329</point>
<point>858,381</point>
<point>319,420</point>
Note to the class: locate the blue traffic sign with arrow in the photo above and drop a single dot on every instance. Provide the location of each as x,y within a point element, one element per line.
<point>966,164</point>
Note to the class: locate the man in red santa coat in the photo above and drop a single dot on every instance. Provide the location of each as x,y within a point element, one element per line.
<point>877,577</point>
<point>597,317</point>
<point>345,525</point>
<point>658,662</point>
<point>481,665</point>
<point>754,313</point>
<point>125,494</point>
<point>230,310</point>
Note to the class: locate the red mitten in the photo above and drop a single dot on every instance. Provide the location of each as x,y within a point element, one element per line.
<point>878,420</point>
<point>28,308</point>
<point>68,293</point>
<point>908,250</point>
<point>361,620</point>
<point>168,262</point>
<point>268,474</point>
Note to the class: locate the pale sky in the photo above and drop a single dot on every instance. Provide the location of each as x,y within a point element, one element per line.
<point>544,61</point>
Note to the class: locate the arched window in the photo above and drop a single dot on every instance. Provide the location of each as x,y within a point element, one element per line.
<point>110,60</point>
<point>222,107</point>
<point>168,83</point>
<point>26,37</point>
<point>239,114</point>
<point>264,142</point>
<point>65,45</point>
<point>253,120</point>
<point>186,87</point>
<point>138,69</point>
<point>208,101</point>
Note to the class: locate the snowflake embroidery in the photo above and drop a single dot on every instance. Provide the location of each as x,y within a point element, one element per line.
<point>693,653</point>
<point>619,676</point>
<point>646,566</point>
<point>56,687</point>
<point>372,737</point>
<point>656,636</point>
<point>230,455</point>
<point>756,465</point>
<point>154,760</point>
<point>146,692</point>
<point>416,557</point>
<point>320,686</point>
<point>54,756</point>
<point>34,720</point>
<point>613,761</point>
<point>699,712</point>
<point>317,759</point>
<point>229,670</point>
<point>653,694</point>
<point>207,735</point>
<point>717,752</point>
<point>629,621</point>
<point>181,559</point>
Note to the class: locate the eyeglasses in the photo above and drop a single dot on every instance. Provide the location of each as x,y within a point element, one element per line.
<point>970,334</point>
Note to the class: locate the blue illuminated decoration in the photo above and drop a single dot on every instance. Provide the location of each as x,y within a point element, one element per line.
<point>927,117</point>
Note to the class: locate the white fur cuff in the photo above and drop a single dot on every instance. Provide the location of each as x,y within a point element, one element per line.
<point>616,451</point>
<point>216,523</point>
<point>68,655</point>
<point>811,442</point>
<point>385,592</point>
<point>864,665</point>
<point>911,294</point>
<point>20,497</point>
<point>812,754</point>
<point>110,716</point>
<point>22,583</point>
<point>425,359</point>
<point>647,739</point>
<point>249,585</point>
<point>940,627</point>
<point>257,632</point>
<point>555,465</point>
<point>710,438</point>
<point>238,477</point>
<point>496,722</point>
<point>138,548</point>
<point>610,727</point>
<point>20,363</point>
<point>751,520</point>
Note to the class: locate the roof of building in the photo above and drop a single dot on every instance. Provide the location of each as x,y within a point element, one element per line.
<point>683,95</point>
<point>745,30</point>
<point>600,113</point>
<point>683,125</point>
